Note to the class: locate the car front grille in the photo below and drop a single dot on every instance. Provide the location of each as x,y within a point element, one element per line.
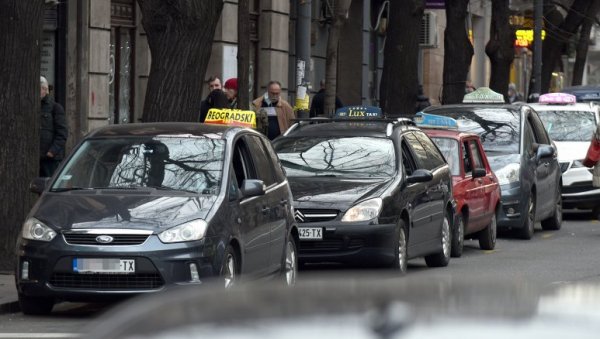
<point>564,166</point>
<point>118,239</point>
<point>303,215</point>
<point>139,281</point>
<point>331,245</point>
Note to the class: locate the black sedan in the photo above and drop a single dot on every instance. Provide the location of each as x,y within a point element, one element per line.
<point>372,192</point>
<point>139,208</point>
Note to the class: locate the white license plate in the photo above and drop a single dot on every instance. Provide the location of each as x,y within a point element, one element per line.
<point>104,265</point>
<point>310,233</point>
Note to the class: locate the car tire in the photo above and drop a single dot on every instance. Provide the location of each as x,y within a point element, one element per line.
<point>230,267</point>
<point>442,258</point>
<point>526,232</point>
<point>555,221</point>
<point>487,237</point>
<point>35,305</point>
<point>400,262</point>
<point>289,266</point>
<point>458,237</point>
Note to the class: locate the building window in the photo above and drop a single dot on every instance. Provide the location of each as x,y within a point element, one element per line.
<point>121,77</point>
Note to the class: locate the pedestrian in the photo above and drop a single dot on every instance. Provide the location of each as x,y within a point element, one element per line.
<point>279,112</point>
<point>231,90</point>
<point>53,132</point>
<point>513,94</point>
<point>215,99</point>
<point>317,107</point>
<point>214,82</point>
<point>422,100</point>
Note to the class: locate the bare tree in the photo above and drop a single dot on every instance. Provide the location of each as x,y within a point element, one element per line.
<point>500,49</point>
<point>243,54</point>
<point>180,34</point>
<point>340,15</point>
<point>400,78</point>
<point>584,42</point>
<point>458,52</point>
<point>21,27</point>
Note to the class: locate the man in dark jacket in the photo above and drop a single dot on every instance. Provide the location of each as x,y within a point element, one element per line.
<point>213,83</point>
<point>317,108</point>
<point>53,132</point>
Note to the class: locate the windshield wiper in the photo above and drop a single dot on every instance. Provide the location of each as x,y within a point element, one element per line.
<point>66,189</point>
<point>165,188</point>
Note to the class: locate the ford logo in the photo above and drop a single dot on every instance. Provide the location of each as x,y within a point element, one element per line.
<point>104,239</point>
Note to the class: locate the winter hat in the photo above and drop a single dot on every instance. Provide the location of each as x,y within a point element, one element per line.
<point>231,84</point>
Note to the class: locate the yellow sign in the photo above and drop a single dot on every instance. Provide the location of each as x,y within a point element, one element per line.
<point>232,117</point>
<point>524,37</point>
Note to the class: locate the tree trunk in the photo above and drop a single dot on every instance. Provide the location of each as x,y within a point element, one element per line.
<point>21,27</point>
<point>243,54</point>
<point>500,48</point>
<point>180,34</point>
<point>583,44</point>
<point>340,12</point>
<point>400,80</point>
<point>458,52</point>
<point>556,38</point>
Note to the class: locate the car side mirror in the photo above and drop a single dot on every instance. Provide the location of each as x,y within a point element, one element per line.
<point>38,185</point>
<point>545,151</point>
<point>420,175</point>
<point>479,172</point>
<point>252,188</point>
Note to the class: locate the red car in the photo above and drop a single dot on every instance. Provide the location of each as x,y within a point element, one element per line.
<point>475,188</point>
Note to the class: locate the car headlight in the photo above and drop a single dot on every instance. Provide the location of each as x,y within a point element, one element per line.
<point>190,231</point>
<point>34,229</point>
<point>363,211</point>
<point>508,174</point>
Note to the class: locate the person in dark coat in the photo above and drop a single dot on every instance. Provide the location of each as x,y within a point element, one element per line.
<point>53,132</point>
<point>422,100</point>
<point>317,107</point>
<point>215,99</point>
<point>213,83</point>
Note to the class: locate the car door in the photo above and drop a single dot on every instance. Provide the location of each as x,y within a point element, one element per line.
<point>476,191</point>
<point>416,195</point>
<point>545,188</point>
<point>274,210</point>
<point>254,226</point>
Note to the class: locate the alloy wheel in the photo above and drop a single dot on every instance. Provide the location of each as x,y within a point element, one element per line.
<point>446,238</point>
<point>291,264</point>
<point>229,276</point>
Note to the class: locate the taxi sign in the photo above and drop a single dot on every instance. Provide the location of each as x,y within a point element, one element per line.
<point>483,95</point>
<point>231,117</point>
<point>358,112</point>
<point>557,98</point>
<point>424,120</point>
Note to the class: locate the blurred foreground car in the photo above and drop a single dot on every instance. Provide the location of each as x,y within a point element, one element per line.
<point>521,155</point>
<point>368,190</point>
<point>474,185</point>
<point>138,208</point>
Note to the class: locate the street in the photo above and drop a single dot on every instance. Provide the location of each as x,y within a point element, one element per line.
<point>568,255</point>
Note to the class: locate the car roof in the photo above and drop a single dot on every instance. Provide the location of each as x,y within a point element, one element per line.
<point>513,107</point>
<point>448,133</point>
<point>367,128</point>
<point>580,106</point>
<point>163,128</point>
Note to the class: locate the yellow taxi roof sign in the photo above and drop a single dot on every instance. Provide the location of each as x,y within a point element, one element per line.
<point>483,95</point>
<point>231,117</point>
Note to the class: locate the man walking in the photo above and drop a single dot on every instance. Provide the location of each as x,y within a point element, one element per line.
<point>279,111</point>
<point>53,132</point>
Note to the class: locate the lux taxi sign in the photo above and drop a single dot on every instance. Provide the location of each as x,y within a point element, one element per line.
<point>358,112</point>
<point>232,117</point>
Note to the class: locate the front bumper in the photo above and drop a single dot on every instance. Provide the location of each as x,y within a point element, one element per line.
<point>577,189</point>
<point>513,207</point>
<point>158,266</point>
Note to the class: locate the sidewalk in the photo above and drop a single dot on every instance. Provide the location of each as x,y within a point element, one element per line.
<point>8,293</point>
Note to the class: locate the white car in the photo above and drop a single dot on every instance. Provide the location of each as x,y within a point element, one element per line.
<point>571,126</point>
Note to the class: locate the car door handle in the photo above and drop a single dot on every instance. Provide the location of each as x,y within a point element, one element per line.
<point>547,164</point>
<point>283,202</point>
<point>266,209</point>
<point>480,181</point>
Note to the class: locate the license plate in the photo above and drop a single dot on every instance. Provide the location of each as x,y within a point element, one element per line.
<point>310,233</point>
<point>105,265</point>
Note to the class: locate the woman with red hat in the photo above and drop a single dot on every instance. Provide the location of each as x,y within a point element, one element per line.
<point>231,91</point>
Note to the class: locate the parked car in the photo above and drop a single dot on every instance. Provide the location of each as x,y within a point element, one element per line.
<point>474,186</point>
<point>521,155</point>
<point>368,190</point>
<point>139,208</point>
<point>571,126</point>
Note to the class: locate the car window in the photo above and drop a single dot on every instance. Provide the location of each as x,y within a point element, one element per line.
<point>418,151</point>
<point>242,163</point>
<point>274,159</point>
<point>529,139</point>
<point>262,161</point>
<point>467,162</point>
<point>541,137</point>
<point>434,158</point>
<point>450,151</point>
<point>408,162</point>
<point>568,125</point>
<point>476,155</point>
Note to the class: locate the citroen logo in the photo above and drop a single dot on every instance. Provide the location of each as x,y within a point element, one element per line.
<point>104,239</point>
<point>299,216</point>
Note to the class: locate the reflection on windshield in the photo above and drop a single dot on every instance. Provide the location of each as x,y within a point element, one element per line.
<point>569,125</point>
<point>171,163</point>
<point>354,157</point>
<point>449,148</point>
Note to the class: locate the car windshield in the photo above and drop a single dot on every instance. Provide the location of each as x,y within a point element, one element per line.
<point>499,128</point>
<point>569,125</point>
<point>449,148</point>
<point>337,156</point>
<point>192,164</point>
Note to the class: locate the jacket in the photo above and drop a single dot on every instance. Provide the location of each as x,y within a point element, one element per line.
<point>285,113</point>
<point>317,107</point>
<point>53,129</point>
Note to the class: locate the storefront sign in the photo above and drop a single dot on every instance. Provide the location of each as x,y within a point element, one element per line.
<point>524,37</point>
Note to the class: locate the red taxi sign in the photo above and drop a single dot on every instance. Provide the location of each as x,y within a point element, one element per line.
<point>557,98</point>
<point>231,117</point>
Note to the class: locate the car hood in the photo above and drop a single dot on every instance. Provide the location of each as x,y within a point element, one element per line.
<point>571,150</point>
<point>66,211</point>
<point>323,192</point>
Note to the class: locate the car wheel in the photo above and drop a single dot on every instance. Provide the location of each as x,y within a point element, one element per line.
<point>458,237</point>
<point>400,262</point>
<point>442,258</point>
<point>230,267</point>
<point>289,267</point>
<point>487,237</point>
<point>35,305</point>
<point>526,232</point>
<point>554,222</point>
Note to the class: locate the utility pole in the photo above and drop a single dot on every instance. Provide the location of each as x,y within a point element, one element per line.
<point>303,22</point>
<point>537,48</point>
